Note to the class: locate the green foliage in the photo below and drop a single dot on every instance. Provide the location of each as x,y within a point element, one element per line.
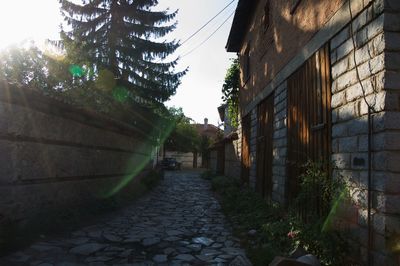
<point>207,175</point>
<point>316,187</point>
<point>28,66</point>
<point>230,91</point>
<point>126,38</point>
<point>280,231</point>
<point>184,136</point>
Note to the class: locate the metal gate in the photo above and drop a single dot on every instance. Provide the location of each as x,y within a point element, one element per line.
<point>309,117</point>
<point>245,174</point>
<point>265,126</point>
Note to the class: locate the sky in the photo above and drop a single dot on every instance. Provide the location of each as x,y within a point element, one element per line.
<point>199,95</point>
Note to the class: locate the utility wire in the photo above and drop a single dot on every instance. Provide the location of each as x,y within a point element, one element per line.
<point>208,22</point>
<point>215,31</point>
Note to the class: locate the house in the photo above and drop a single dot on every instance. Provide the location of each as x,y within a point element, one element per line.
<point>320,81</point>
<point>209,134</point>
<point>225,153</point>
<point>193,159</point>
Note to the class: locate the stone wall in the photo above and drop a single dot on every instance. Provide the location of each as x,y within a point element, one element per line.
<point>253,148</point>
<point>376,39</point>
<point>54,156</point>
<point>232,159</point>
<point>279,151</point>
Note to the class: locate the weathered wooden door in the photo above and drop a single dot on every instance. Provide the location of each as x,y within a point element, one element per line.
<point>265,126</point>
<point>245,174</point>
<point>309,116</point>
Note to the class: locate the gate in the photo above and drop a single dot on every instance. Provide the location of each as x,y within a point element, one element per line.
<point>265,126</point>
<point>309,117</point>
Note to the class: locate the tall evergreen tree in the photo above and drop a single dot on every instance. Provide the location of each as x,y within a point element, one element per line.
<point>118,40</point>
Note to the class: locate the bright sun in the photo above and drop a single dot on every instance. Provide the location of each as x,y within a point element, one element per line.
<point>28,19</point>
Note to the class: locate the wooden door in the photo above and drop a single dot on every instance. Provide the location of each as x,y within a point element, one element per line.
<point>265,127</point>
<point>309,117</point>
<point>245,174</point>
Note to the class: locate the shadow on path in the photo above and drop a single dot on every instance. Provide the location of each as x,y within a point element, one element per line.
<point>178,223</point>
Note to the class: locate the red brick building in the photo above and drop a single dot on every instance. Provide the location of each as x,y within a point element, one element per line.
<point>320,80</point>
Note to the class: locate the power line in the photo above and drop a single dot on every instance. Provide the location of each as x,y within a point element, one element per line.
<point>198,46</point>
<point>208,22</point>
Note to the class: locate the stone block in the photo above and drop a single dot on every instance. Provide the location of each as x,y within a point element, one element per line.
<point>280,115</point>
<point>344,49</point>
<point>340,38</point>
<point>360,21</point>
<point>340,67</point>
<point>335,145</point>
<point>347,112</point>
<point>341,160</point>
<point>348,144</point>
<point>338,99</point>
<point>280,133</point>
<point>376,101</point>
<point>370,31</point>
<point>386,161</point>
<point>392,80</point>
<point>340,130</point>
<point>392,61</point>
<point>282,142</point>
<point>387,141</point>
<point>389,204</point>
<point>371,67</point>
<point>358,126</point>
<point>392,5</point>
<point>363,143</point>
<point>359,160</point>
<point>279,107</point>
<point>346,80</point>
<point>386,182</point>
<point>392,22</point>
<point>333,56</point>
<point>386,121</point>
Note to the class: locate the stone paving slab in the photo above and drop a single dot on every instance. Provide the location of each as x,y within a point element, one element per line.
<point>178,223</point>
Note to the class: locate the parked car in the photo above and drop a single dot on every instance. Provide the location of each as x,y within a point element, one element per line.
<point>170,164</point>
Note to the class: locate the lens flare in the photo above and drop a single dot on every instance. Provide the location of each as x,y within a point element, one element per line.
<point>142,156</point>
<point>335,208</point>
<point>76,71</point>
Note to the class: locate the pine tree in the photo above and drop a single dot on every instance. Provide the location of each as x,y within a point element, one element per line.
<point>119,39</point>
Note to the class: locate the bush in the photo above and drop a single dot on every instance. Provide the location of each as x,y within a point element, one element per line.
<point>279,231</point>
<point>207,175</point>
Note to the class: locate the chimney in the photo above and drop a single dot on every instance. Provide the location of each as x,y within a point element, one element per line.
<point>205,123</point>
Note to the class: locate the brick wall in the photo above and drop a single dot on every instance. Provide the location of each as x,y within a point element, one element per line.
<point>54,156</point>
<point>376,37</point>
<point>272,48</point>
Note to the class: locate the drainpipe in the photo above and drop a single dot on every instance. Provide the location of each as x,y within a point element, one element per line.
<point>371,110</point>
<point>370,225</point>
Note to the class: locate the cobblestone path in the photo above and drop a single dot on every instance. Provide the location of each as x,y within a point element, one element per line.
<point>178,223</point>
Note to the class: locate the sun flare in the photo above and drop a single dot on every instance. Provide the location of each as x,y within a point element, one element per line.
<point>22,20</point>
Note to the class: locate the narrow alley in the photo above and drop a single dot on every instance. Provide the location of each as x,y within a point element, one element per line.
<point>178,223</point>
